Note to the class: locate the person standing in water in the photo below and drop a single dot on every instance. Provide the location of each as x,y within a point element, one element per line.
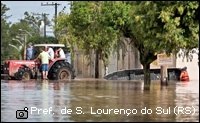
<point>44,57</point>
<point>184,75</point>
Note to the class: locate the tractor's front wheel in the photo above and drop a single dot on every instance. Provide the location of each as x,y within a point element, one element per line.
<point>26,75</point>
<point>23,74</point>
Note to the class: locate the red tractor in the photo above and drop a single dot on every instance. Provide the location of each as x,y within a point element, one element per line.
<point>59,68</point>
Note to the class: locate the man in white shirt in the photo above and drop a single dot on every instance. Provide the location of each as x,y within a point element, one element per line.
<point>51,53</point>
<point>60,53</point>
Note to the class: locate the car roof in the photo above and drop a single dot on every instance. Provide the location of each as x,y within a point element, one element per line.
<point>49,45</point>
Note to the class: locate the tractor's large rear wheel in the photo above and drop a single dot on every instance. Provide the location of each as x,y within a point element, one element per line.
<point>61,71</point>
<point>64,74</point>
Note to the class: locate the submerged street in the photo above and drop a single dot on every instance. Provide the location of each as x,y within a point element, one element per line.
<point>99,100</point>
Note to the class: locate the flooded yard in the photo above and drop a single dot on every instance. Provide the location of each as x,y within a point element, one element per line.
<point>98,100</point>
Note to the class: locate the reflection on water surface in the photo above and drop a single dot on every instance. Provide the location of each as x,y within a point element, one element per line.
<point>99,100</point>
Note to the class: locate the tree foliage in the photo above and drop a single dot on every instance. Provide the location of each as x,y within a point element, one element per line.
<point>153,27</point>
<point>12,39</point>
<point>34,20</point>
<point>5,36</point>
<point>158,27</point>
<point>89,31</point>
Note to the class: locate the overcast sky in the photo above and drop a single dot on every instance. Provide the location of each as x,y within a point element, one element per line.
<point>17,9</point>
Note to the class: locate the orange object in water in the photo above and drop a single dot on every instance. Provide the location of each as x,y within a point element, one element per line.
<point>184,76</point>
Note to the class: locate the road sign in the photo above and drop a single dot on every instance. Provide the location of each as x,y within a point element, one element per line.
<point>164,59</point>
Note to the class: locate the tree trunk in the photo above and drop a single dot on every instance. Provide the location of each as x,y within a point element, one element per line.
<point>97,64</point>
<point>146,58</point>
<point>146,70</point>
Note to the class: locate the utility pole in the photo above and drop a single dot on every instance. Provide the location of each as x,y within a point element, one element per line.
<point>44,16</point>
<point>55,5</point>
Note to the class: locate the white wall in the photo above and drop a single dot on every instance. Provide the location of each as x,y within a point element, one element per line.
<point>192,66</point>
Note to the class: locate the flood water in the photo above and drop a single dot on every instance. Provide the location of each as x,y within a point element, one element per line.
<point>98,100</point>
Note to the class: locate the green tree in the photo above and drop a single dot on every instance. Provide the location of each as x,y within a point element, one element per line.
<point>116,16</point>
<point>43,40</point>
<point>18,31</point>
<point>181,25</point>
<point>30,24</point>
<point>89,31</point>
<point>153,27</point>
<point>5,36</point>
<point>34,20</point>
<point>12,39</point>
<point>65,33</point>
<point>157,27</point>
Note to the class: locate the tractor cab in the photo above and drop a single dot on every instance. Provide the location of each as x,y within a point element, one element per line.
<point>57,62</point>
<point>55,48</point>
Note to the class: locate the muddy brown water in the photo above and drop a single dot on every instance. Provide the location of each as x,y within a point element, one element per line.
<point>98,100</point>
